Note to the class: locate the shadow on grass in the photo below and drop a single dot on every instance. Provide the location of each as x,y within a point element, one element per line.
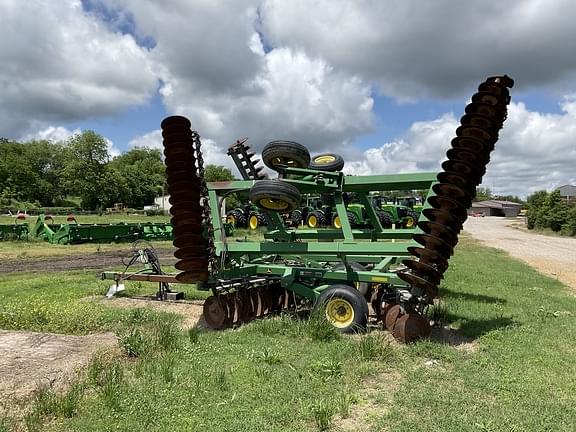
<point>480,298</point>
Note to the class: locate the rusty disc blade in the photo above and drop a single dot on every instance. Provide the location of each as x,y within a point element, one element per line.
<point>441,231</point>
<point>425,270</point>
<point>175,121</point>
<point>191,277</point>
<point>495,112</point>
<point>473,145</point>
<point>457,180</point>
<point>381,309</point>
<point>214,313</point>
<point>193,264</point>
<point>183,216</point>
<point>411,327</point>
<point>472,172</point>
<point>196,251</point>
<point>468,156</point>
<point>435,243</point>
<point>450,205</point>
<point>188,240</point>
<point>476,132</point>
<point>495,89</point>
<point>443,217</point>
<point>392,316</point>
<point>453,192</point>
<point>489,98</point>
<point>429,256</point>
<point>255,299</point>
<point>487,123</point>
<point>416,281</point>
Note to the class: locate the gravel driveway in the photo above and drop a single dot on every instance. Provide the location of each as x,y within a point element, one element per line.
<point>552,256</point>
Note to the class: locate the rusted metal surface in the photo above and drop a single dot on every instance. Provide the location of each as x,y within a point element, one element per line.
<point>185,188</point>
<point>462,173</point>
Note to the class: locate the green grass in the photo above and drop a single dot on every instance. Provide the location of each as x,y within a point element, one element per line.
<point>285,374</point>
<point>70,302</point>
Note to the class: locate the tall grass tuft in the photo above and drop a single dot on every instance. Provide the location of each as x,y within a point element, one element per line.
<point>323,411</point>
<point>319,329</point>
<point>167,365</point>
<point>374,347</point>
<point>166,333</point>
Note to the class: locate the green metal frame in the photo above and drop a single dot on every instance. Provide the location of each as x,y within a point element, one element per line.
<point>302,258</point>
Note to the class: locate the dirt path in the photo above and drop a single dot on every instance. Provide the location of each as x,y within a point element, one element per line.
<point>28,359</point>
<point>552,256</point>
<point>96,261</point>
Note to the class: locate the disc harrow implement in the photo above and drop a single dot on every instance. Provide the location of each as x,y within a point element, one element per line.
<point>338,270</point>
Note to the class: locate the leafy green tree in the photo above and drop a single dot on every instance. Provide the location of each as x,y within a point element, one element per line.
<point>139,174</point>
<point>483,194</point>
<point>213,173</point>
<point>84,172</point>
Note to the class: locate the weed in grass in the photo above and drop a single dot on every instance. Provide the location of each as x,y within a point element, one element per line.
<point>320,329</point>
<point>263,372</point>
<point>166,366</point>
<point>134,343</point>
<point>4,424</point>
<point>138,316</point>
<point>221,379</point>
<point>193,335</point>
<point>374,347</point>
<point>33,421</point>
<point>323,411</point>
<point>49,403</point>
<point>438,314</point>
<point>344,401</point>
<point>328,369</point>
<point>111,382</point>
<point>267,356</point>
<point>166,333</point>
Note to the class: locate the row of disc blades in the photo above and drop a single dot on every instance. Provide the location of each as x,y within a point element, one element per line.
<point>184,187</point>
<point>456,187</point>
<point>246,304</point>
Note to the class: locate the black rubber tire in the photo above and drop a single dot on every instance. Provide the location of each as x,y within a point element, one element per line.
<point>362,287</point>
<point>352,219</point>
<point>240,218</point>
<point>287,153</point>
<point>350,295</point>
<point>327,162</point>
<point>296,218</point>
<point>327,198</point>
<point>258,220</point>
<point>320,218</point>
<point>411,214</point>
<point>275,196</point>
<point>385,219</point>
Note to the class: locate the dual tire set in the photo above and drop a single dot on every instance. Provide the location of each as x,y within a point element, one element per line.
<point>282,197</point>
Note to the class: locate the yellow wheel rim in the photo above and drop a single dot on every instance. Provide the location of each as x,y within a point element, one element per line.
<point>312,221</point>
<point>324,159</point>
<point>337,223</point>
<point>339,312</point>
<point>253,222</point>
<point>273,204</point>
<point>231,219</point>
<point>410,222</point>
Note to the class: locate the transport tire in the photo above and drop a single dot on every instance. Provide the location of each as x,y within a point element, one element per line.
<point>344,307</point>
<point>275,195</point>
<point>288,153</point>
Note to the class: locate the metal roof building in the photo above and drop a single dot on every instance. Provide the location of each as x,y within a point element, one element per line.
<point>568,192</point>
<point>496,208</point>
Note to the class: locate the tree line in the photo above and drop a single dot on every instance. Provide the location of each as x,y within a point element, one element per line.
<point>46,174</point>
<point>548,210</point>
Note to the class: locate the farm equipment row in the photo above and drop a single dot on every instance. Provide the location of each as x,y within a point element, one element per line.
<point>74,233</point>
<point>337,271</point>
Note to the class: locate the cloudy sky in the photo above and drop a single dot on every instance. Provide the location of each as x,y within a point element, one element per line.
<point>382,82</point>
